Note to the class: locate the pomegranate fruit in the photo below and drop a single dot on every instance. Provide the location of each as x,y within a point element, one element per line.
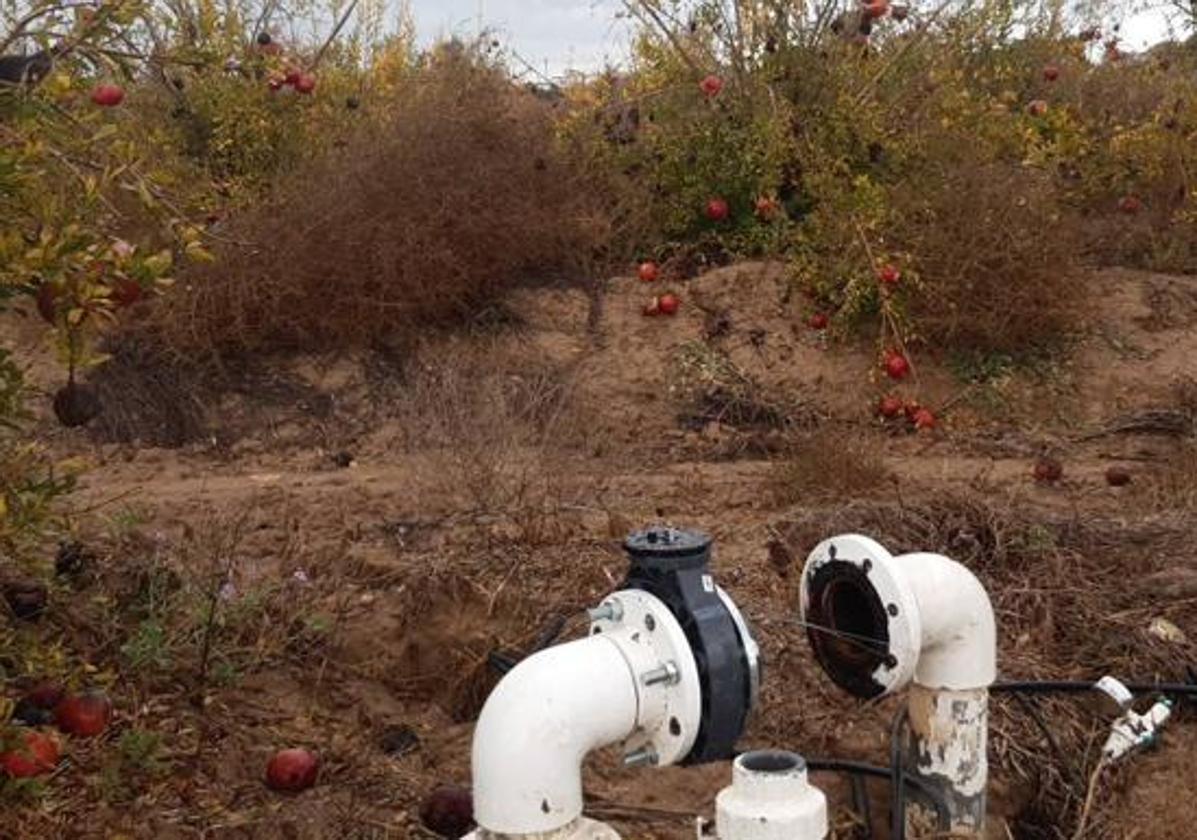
<point>819,321</point>
<point>292,770</point>
<point>448,811</point>
<point>1037,108</point>
<point>669,304</point>
<point>26,599</point>
<point>1118,477</point>
<point>1130,204</point>
<point>717,209</point>
<point>711,86</point>
<point>648,271</point>
<point>889,407</point>
<point>76,405</point>
<point>1047,470</point>
<point>1051,73</point>
<point>889,275</point>
<point>306,83</point>
<point>924,420</point>
<point>85,715</point>
<point>896,365</point>
<point>107,95</point>
<point>35,754</point>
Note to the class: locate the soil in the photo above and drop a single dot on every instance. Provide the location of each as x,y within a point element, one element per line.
<point>441,510</point>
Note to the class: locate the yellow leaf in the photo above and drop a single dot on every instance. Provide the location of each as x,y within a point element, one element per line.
<point>75,317</point>
<point>197,252</point>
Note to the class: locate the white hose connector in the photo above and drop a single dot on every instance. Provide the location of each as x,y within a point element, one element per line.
<point>879,623</point>
<point>770,798</point>
<point>633,681</point>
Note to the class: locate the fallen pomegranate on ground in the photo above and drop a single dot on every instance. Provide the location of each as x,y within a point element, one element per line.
<point>648,271</point>
<point>669,304</point>
<point>33,754</point>
<point>717,209</point>
<point>448,811</point>
<point>890,407</point>
<point>1051,73</point>
<point>26,599</point>
<point>819,321</point>
<point>1047,470</point>
<point>924,420</point>
<point>84,715</point>
<point>292,770</point>
<point>711,85</point>
<point>1130,204</point>
<point>1037,108</point>
<point>889,276</point>
<point>1118,477</point>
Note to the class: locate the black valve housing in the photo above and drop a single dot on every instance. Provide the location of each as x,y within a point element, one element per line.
<point>673,565</point>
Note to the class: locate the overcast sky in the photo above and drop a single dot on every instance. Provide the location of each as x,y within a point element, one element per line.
<point>584,34</point>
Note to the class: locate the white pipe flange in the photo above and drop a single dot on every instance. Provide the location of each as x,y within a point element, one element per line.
<point>667,679</point>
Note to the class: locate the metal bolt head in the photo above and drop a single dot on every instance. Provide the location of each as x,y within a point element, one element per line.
<point>643,757</point>
<point>666,674</point>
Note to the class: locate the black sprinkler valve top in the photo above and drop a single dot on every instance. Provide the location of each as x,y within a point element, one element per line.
<point>667,549</point>
<point>673,565</point>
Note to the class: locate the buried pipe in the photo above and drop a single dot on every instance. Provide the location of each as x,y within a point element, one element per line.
<point>880,623</point>
<point>669,672</point>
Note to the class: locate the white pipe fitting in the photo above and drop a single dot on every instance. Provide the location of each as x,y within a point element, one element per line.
<point>634,680</point>
<point>770,798</point>
<point>879,623</point>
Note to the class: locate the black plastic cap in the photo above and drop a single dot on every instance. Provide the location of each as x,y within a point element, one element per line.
<point>665,549</point>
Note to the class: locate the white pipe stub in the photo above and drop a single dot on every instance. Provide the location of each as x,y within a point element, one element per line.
<point>770,798</point>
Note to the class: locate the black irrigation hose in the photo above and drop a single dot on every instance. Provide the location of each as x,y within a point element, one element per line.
<point>1080,687</point>
<point>897,804</point>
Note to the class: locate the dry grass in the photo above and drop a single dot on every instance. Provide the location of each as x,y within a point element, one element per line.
<point>828,463</point>
<point>997,270</point>
<point>500,429</point>
<point>449,193</point>
<point>1173,487</point>
<point>711,388</point>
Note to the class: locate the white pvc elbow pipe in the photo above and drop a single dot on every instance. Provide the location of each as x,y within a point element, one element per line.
<point>957,640</point>
<point>538,726</point>
<point>633,681</point>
